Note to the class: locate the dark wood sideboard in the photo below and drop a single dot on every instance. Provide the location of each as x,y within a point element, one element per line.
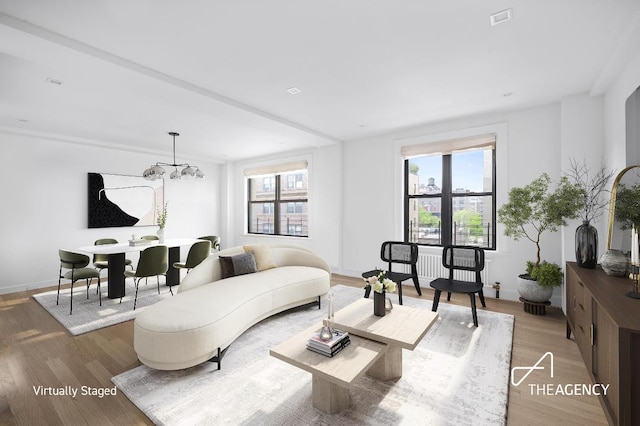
<point>606,327</point>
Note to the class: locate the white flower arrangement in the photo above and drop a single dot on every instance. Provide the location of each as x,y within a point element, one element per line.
<point>380,283</point>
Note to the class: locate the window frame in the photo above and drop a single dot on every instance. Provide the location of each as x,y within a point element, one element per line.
<point>446,196</point>
<point>279,203</point>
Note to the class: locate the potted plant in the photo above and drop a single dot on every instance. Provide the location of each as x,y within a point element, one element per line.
<point>530,211</point>
<point>162,222</point>
<point>593,186</point>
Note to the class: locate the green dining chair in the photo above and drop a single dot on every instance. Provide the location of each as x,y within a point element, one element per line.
<point>150,237</point>
<point>197,253</point>
<point>101,261</point>
<point>215,241</point>
<point>76,264</point>
<point>154,261</point>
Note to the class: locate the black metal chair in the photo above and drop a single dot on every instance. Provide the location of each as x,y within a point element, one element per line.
<point>401,253</point>
<point>461,258</point>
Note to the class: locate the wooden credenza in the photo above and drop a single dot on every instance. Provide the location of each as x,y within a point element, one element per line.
<point>606,327</point>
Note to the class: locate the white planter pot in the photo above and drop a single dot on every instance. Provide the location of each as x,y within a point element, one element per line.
<point>531,291</point>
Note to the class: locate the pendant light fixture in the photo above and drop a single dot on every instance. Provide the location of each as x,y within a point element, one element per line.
<point>189,172</point>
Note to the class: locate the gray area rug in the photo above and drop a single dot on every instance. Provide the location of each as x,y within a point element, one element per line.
<point>458,375</point>
<point>88,315</point>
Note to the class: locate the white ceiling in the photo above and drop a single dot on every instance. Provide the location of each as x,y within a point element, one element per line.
<point>217,71</point>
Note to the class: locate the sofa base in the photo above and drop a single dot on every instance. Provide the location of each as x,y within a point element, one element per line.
<point>222,352</point>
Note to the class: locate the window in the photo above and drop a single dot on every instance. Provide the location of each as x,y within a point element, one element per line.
<point>278,200</point>
<point>295,181</point>
<point>449,195</point>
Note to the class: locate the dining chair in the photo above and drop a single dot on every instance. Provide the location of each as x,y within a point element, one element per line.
<point>150,237</point>
<point>101,261</point>
<point>461,258</point>
<point>197,253</point>
<point>215,241</point>
<point>154,261</point>
<point>398,252</point>
<point>76,263</point>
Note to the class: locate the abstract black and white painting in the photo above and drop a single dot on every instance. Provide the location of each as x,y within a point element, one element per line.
<point>119,200</point>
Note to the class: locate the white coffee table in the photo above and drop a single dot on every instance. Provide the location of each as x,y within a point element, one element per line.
<point>331,377</point>
<point>402,328</point>
<point>376,349</point>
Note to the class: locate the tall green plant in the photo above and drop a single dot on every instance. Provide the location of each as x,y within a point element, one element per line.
<point>535,208</point>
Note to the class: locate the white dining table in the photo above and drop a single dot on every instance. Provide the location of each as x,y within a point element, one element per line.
<point>117,252</point>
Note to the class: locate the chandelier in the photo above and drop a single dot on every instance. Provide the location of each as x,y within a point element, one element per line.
<point>157,172</point>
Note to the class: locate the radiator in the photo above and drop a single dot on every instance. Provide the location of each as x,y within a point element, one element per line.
<point>430,267</point>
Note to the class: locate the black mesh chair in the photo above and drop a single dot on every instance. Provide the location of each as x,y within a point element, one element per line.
<point>461,258</point>
<point>401,253</point>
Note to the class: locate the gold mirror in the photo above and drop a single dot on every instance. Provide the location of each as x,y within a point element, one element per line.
<point>628,177</point>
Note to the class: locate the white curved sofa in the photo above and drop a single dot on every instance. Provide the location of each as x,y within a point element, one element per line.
<point>209,313</point>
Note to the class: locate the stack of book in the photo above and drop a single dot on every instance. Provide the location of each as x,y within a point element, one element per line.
<point>338,341</point>
<point>141,242</point>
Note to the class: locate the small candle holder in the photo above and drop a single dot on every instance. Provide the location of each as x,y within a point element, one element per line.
<point>326,332</point>
<point>635,276</point>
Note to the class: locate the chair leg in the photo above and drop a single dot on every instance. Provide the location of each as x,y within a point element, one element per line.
<point>158,279</point>
<point>135,301</point>
<point>88,284</point>
<point>416,283</point>
<point>472,296</point>
<point>367,292</point>
<point>436,300</point>
<point>448,296</point>
<point>71,300</point>
<point>99,292</point>
<point>400,293</point>
<point>59,279</point>
<point>481,294</point>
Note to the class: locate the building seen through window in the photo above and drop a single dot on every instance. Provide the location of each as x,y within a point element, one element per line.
<point>450,198</point>
<point>278,204</point>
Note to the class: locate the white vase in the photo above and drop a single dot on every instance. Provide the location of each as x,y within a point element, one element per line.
<point>530,290</point>
<point>160,235</point>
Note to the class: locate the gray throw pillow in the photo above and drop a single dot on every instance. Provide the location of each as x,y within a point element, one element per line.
<point>240,264</point>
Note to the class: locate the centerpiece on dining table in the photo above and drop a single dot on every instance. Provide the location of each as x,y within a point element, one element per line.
<point>380,285</point>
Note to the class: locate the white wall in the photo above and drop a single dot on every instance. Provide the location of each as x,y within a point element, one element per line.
<point>533,146</point>
<point>325,202</point>
<point>626,83</point>
<point>43,187</point>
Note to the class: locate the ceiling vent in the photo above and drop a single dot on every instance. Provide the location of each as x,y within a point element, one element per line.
<point>502,16</point>
<point>294,90</point>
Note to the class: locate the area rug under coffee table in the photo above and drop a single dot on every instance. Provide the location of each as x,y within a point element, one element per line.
<point>458,375</point>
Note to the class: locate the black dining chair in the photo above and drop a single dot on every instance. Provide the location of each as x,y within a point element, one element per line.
<point>461,258</point>
<point>398,252</point>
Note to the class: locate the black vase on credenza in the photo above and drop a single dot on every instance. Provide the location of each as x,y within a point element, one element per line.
<point>586,245</point>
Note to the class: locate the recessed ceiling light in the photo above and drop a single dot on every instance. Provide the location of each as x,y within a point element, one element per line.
<point>502,16</point>
<point>54,81</point>
<point>294,90</point>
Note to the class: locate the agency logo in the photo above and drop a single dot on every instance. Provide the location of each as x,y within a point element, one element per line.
<point>550,388</point>
<point>531,369</point>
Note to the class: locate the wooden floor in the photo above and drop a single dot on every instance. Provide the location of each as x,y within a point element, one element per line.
<point>37,351</point>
